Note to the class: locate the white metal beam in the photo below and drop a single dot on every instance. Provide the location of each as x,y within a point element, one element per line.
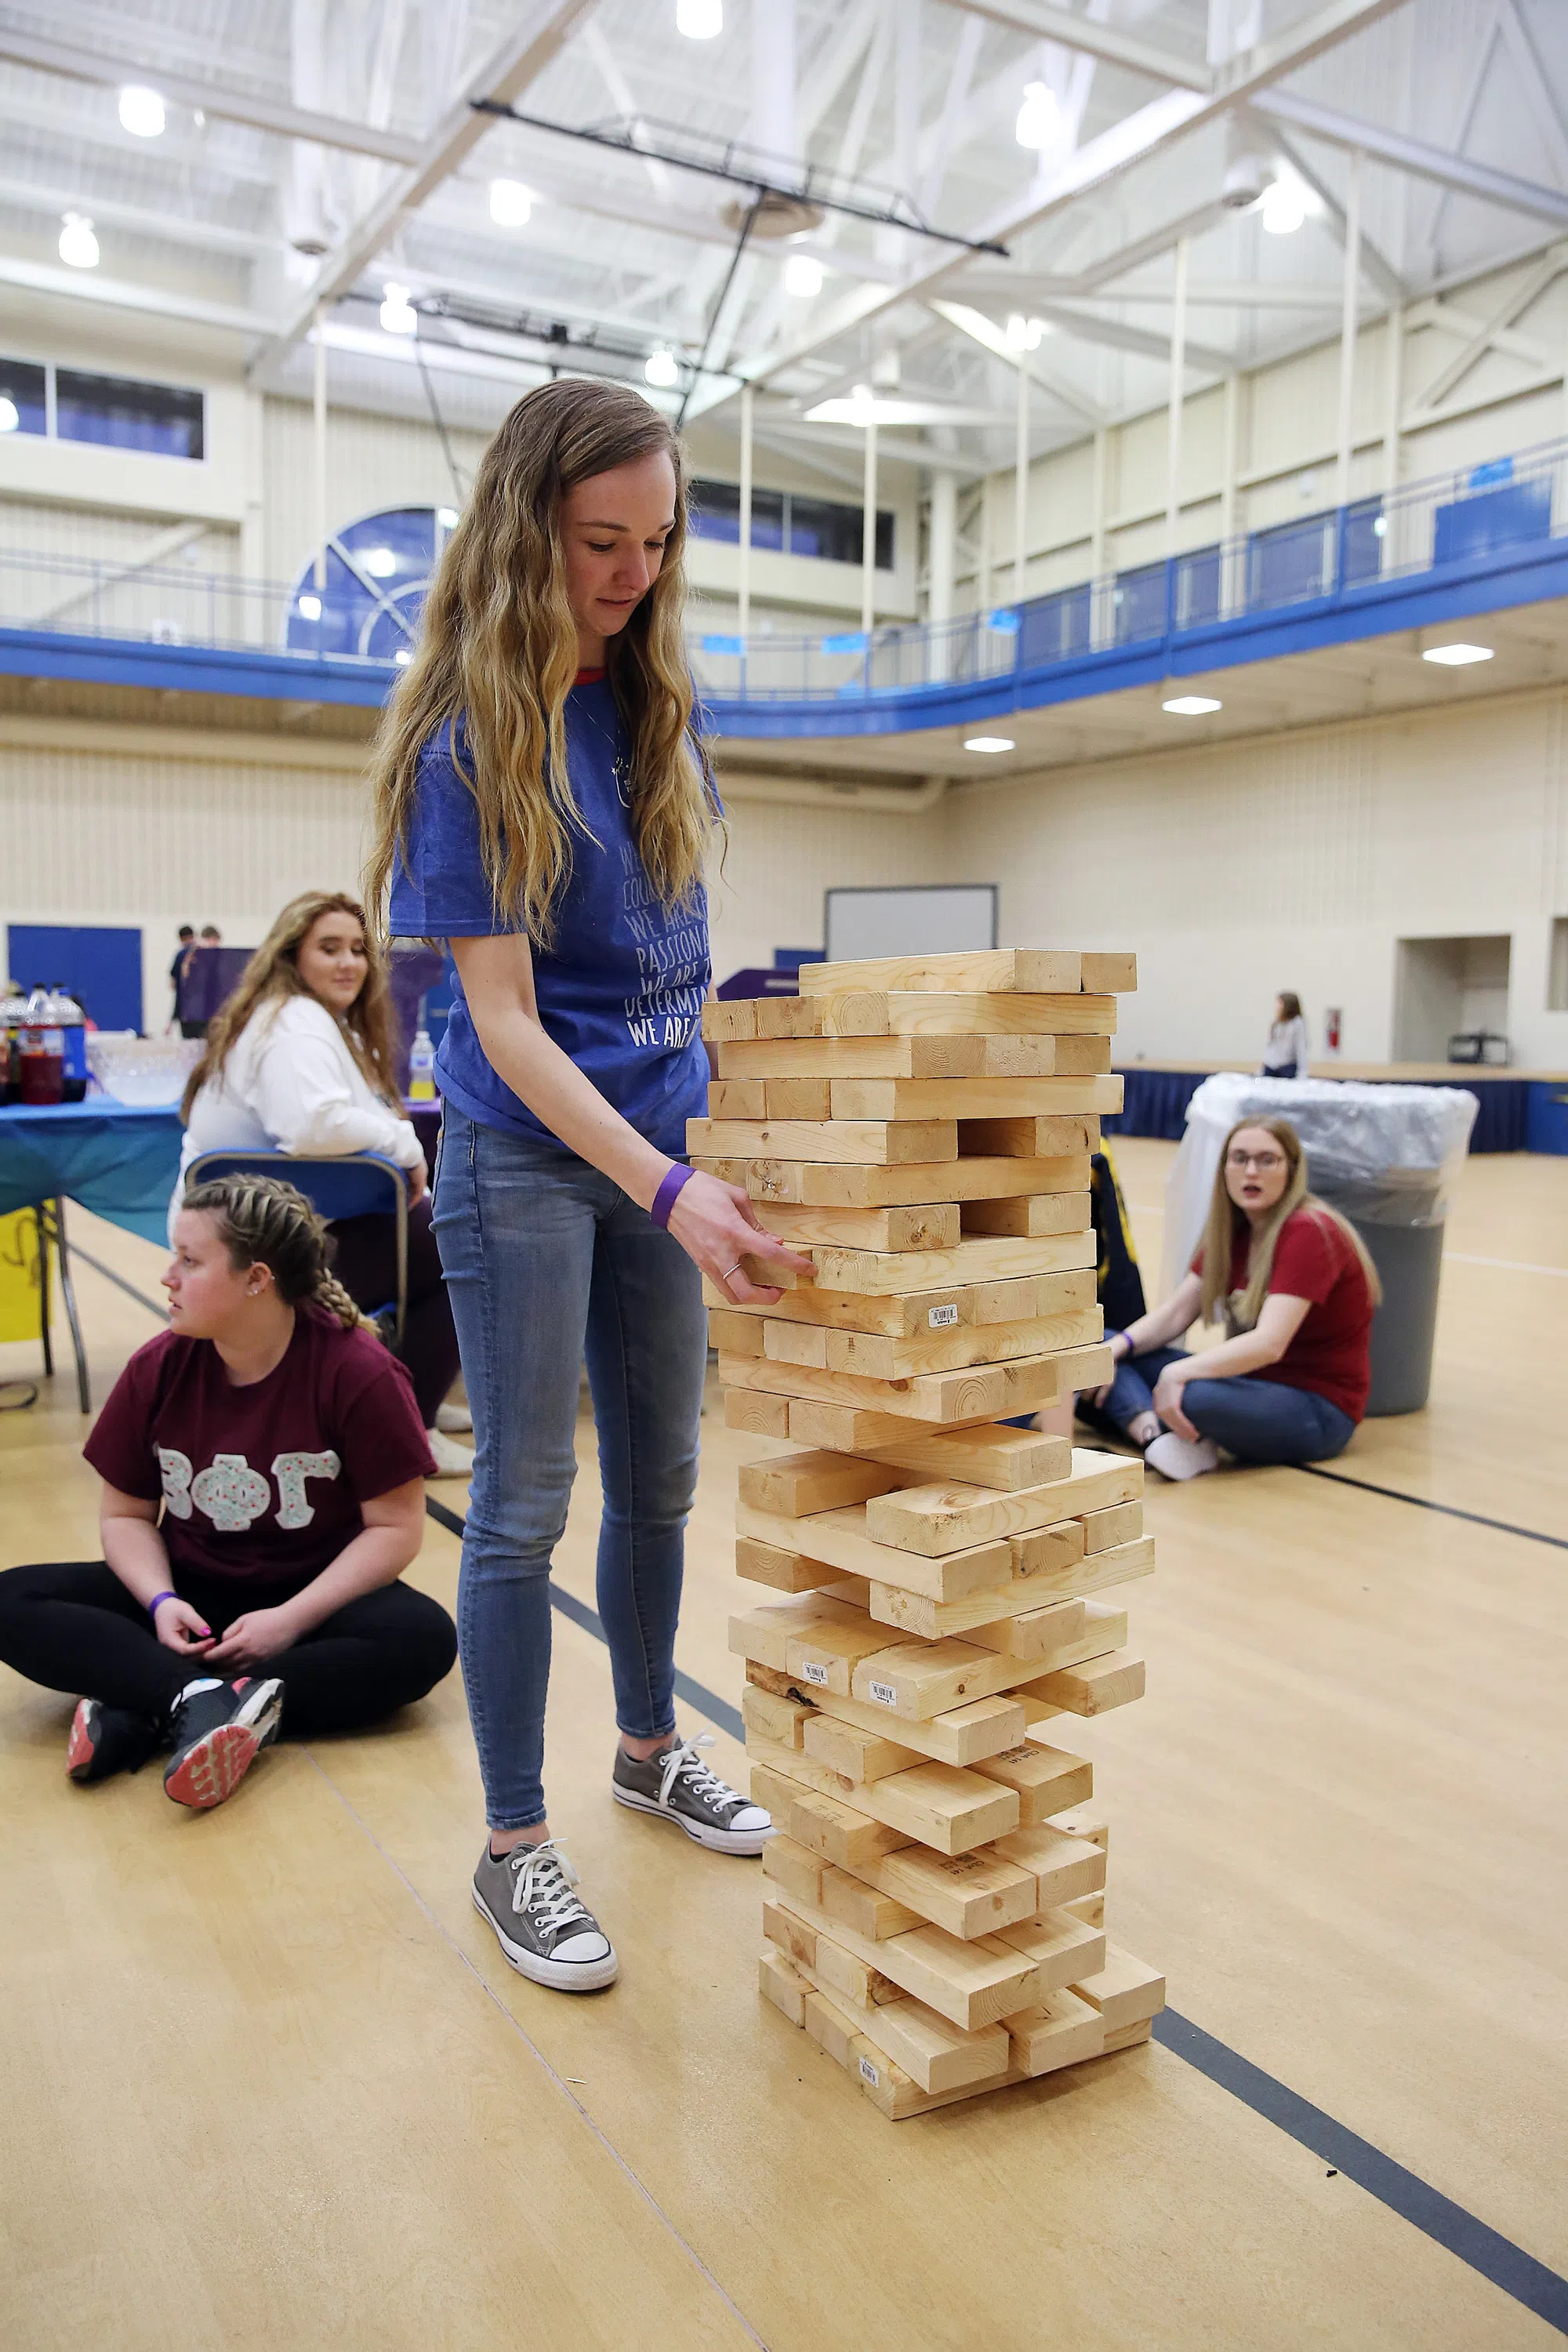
<point>1416,157</point>
<point>1038,21</point>
<point>519,60</point>
<point>1513,306</point>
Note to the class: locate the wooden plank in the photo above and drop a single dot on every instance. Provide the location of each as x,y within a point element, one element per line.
<point>887,1273</point>
<point>928,1225</point>
<point>1083,1821</point>
<point>795,1484</point>
<point>791,1866</point>
<point>915,1680</point>
<point>1030,1057</point>
<point>811,1184</point>
<point>839,1539</point>
<point>843,1749</point>
<point>859,1057</point>
<point>1116,973</point>
<point>774,1718</point>
<point>826,1657</point>
<point>1117,1564</point>
<point>779,1981</point>
<point>821,1823</point>
<point>932,1397</point>
<point>1061,2030</point>
<point>794,1343</point>
<point>910,1314</point>
<point>756,1415</point>
<point>1039,1633</point>
<point>1046,1779</point>
<point>1065,1866</point>
<point>966,1733</point>
<point>737,1098</point>
<point>932,1620</point>
<point>972,1983</point>
<point>728,1018</point>
<point>784,1572</point>
<point>1127,2039</point>
<point>764,1634</point>
<point>787,1016</point>
<point>973,1099</point>
<point>1125,1992</point>
<point>929,1519</point>
<point>1026,1138</point>
<point>978,969</point>
<point>1117,1523</point>
<point>872,1143</point>
<point>876,1013</point>
<point>940,1805</point>
<point>1025,1219</point>
<point>1006,1458</point>
<point>1089,1908</point>
<point>936,2053</point>
<point>878,1358</point>
<point>848,1978</point>
<point>1094,1687</point>
<point>1061,1945</point>
<point>966,1895</point>
<point>874,1915</point>
<point>733,1332</point>
<point>790,1099</point>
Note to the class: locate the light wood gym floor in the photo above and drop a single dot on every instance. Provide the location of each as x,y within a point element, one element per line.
<point>269,2083</point>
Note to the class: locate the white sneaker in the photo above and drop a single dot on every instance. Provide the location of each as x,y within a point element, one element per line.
<point>451,1461</point>
<point>454,1419</point>
<point>1181,1458</point>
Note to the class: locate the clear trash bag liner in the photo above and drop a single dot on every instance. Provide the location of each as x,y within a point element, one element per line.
<point>1383,1155</point>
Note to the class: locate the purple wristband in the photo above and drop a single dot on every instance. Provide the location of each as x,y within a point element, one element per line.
<point>157,1602</point>
<point>669,1192</point>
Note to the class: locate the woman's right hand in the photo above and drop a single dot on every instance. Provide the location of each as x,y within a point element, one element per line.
<point>180,1627</point>
<point>716,1226</point>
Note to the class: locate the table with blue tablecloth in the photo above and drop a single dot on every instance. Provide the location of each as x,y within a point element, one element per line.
<point>119,1160</point>
<point>1515,1115</point>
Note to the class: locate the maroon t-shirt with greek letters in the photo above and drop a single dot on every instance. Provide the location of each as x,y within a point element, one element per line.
<point>262,1483</point>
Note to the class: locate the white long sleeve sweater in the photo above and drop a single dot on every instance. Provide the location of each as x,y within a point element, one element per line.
<point>1287,1043</point>
<point>291,1084</point>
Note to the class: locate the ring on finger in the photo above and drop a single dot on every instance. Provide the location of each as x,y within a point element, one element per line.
<point>733,1270</point>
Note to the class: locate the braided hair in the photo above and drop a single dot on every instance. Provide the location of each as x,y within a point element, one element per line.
<point>261,1221</point>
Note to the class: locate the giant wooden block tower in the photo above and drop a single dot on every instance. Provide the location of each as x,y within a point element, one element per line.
<point>922,1128</point>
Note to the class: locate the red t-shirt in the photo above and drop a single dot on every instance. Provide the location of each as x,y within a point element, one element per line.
<point>1330,1352</point>
<point>261,1484</point>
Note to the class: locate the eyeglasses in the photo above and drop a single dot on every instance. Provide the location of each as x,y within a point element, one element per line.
<point>1262,1161</point>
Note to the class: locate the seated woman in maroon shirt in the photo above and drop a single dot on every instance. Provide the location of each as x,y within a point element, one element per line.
<point>1296,1290</point>
<point>281,1443</point>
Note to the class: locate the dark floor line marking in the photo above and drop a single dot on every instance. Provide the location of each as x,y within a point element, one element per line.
<point>621,2163</point>
<point>1475,2242</point>
<point>718,1710</point>
<point>1424,1503</point>
<point>118,1280</point>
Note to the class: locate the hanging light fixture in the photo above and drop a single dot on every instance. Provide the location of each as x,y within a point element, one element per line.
<point>700,20</point>
<point>803,276</point>
<point>1039,117</point>
<point>398,316</point>
<point>511,205</point>
<point>78,245</point>
<point>662,371</point>
<point>1284,206</point>
<point>141,111</point>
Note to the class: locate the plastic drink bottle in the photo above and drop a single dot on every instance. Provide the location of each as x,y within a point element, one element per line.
<point>422,1069</point>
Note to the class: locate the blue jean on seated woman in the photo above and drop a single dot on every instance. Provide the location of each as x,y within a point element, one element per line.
<point>1256,1421</point>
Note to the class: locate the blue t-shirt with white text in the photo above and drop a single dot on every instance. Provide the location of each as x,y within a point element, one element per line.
<point>621,989</point>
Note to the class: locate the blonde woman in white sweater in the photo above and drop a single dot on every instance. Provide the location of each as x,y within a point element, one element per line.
<point>302,1059</point>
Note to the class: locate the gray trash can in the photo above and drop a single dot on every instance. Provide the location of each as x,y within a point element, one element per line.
<point>1386,1157</point>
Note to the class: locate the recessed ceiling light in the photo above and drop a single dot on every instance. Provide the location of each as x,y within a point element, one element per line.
<point>802,275</point>
<point>141,112</point>
<point>10,415</point>
<point>511,205</point>
<point>1039,117</point>
<point>661,370</point>
<point>700,20</point>
<point>309,607</point>
<point>1457,657</point>
<point>989,743</point>
<point>398,316</point>
<point>78,245</point>
<point>1192,705</point>
<point>379,561</point>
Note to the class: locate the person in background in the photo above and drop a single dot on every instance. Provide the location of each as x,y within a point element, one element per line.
<point>211,936</point>
<point>1285,1056</point>
<point>302,1059</point>
<point>177,969</point>
<point>280,1441</point>
<point>1296,1291</point>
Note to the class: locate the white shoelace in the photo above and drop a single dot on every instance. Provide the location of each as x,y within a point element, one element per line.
<point>683,1763</point>
<point>542,1886</point>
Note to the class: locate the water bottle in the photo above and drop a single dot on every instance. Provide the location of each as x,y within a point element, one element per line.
<point>13,1020</point>
<point>69,1017</point>
<point>43,1055</point>
<point>422,1069</point>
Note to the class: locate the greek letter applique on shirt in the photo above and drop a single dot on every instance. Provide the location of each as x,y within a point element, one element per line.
<point>291,1470</point>
<point>174,1471</point>
<point>230,1494</point>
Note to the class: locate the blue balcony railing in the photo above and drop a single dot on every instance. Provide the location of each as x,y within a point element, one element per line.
<point>1441,526</point>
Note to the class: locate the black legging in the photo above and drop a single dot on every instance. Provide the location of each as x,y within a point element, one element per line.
<point>75,1628</point>
<point>366,1265</point>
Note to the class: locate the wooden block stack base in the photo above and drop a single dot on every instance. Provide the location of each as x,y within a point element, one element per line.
<point>938,1589</point>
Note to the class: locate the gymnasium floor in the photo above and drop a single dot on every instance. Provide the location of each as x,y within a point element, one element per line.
<point>269,2083</point>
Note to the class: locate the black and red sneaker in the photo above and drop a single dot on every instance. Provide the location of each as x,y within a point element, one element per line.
<point>106,1739</point>
<point>218,1730</point>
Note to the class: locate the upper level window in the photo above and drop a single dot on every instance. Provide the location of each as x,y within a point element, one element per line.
<point>24,398</point>
<point>118,412</point>
<point>792,524</point>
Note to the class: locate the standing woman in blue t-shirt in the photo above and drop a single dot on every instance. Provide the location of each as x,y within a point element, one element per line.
<point>540,806</point>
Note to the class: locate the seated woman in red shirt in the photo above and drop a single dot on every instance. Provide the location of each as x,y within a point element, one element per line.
<point>1296,1290</point>
<point>282,1445</point>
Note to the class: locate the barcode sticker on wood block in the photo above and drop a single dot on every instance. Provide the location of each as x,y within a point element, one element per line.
<point>884,1693</point>
<point>868,2073</point>
<point>941,1317</point>
<point>812,1672</point>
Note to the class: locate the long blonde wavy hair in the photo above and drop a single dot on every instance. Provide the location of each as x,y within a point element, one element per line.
<point>497,645</point>
<point>262,1221</point>
<point>1241,1309</point>
<point>370,1024</point>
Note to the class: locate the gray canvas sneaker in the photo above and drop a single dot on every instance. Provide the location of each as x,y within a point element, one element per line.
<point>677,1784</point>
<point>545,1932</point>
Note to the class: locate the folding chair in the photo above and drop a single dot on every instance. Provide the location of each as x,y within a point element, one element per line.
<point>361,1184</point>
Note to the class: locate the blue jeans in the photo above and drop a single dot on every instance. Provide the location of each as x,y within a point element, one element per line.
<point>547,1261</point>
<point>1256,1421</point>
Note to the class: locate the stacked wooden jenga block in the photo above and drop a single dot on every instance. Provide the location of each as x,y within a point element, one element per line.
<point>920,1128</point>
